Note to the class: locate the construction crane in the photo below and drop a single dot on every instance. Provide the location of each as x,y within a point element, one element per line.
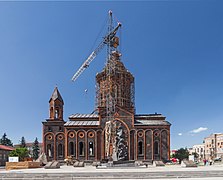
<point>112,43</point>
<point>110,40</point>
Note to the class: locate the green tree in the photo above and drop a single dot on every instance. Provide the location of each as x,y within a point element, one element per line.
<point>19,152</point>
<point>196,155</point>
<point>5,141</point>
<point>181,154</point>
<point>35,149</point>
<point>23,142</point>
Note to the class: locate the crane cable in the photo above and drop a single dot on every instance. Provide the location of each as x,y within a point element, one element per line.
<point>93,46</point>
<point>97,37</point>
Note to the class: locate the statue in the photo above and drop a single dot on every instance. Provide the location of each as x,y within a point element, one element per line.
<point>115,141</point>
<point>122,149</point>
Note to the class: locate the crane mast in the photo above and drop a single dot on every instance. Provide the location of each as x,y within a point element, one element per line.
<point>112,43</point>
<point>110,98</point>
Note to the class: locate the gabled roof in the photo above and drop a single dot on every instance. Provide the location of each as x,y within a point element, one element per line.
<point>151,120</point>
<point>56,95</point>
<point>83,120</point>
<point>77,115</point>
<point>82,123</point>
<point>6,148</point>
<point>151,123</point>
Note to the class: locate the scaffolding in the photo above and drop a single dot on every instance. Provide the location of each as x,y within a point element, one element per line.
<point>119,84</point>
<point>114,87</point>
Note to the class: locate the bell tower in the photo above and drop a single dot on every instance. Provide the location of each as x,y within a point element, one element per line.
<point>53,129</point>
<point>56,106</point>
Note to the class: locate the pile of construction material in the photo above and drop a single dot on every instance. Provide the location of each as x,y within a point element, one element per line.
<point>52,165</point>
<point>78,164</point>
<point>186,163</point>
<point>158,163</point>
<point>22,165</point>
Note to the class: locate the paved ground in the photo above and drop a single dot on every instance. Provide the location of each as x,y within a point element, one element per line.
<point>70,173</point>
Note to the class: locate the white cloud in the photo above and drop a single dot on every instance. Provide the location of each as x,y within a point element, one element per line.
<point>198,130</point>
<point>180,134</point>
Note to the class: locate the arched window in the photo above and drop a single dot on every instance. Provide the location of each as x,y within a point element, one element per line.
<point>56,113</point>
<point>91,148</point>
<point>81,148</point>
<point>140,148</point>
<point>71,148</point>
<point>156,147</point>
<point>60,150</point>
<point>49,151</point>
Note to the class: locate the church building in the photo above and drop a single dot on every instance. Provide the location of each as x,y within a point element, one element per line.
<point>123,135</point>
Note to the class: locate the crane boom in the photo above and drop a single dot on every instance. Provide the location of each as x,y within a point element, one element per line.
<point>88,61</point>
<point>91,57</point>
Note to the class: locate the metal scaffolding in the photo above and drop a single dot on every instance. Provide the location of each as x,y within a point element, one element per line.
<point>119,84</point>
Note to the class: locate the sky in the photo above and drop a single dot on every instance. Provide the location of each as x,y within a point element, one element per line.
<point>174,49</point>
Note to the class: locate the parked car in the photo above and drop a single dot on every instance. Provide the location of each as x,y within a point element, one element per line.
<point>174,160</point>
<point>167,161</point>
<point>217,159</point>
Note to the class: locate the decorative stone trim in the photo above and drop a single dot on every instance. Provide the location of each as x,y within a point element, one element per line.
<point>90,134</point>
<point>49,137</point>
<point>60,137</point>
<point>140,134</point>
<point>156,134</point>
<point>81,134</point>
<point>71,135</point>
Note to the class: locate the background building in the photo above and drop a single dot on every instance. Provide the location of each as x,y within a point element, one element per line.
<point>190,150</point>
<point>214,146</point>
<point>199,149</point>
<point>4,152</point>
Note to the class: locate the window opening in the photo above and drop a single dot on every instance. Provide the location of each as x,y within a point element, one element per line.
<point>140,148</point>
<point>156,148</point>
<point>81,148</point>
<point>91,148</point>
<point>60,150</point>
<point>71,145</point>
<point>49,153</point>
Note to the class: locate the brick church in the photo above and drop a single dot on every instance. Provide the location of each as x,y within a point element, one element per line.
<point>125,136</point>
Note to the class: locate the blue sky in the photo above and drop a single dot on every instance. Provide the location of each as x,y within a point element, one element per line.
<point>173,48</point>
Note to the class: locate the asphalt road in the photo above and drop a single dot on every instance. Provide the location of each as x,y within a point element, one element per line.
<point>89,172</point>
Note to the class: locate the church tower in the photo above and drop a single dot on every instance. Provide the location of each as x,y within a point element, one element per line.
<point>115,87</point>
<point>120,83</point>
<point>116,107</point>
<point>53,129</point>
<point>56,105</point>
